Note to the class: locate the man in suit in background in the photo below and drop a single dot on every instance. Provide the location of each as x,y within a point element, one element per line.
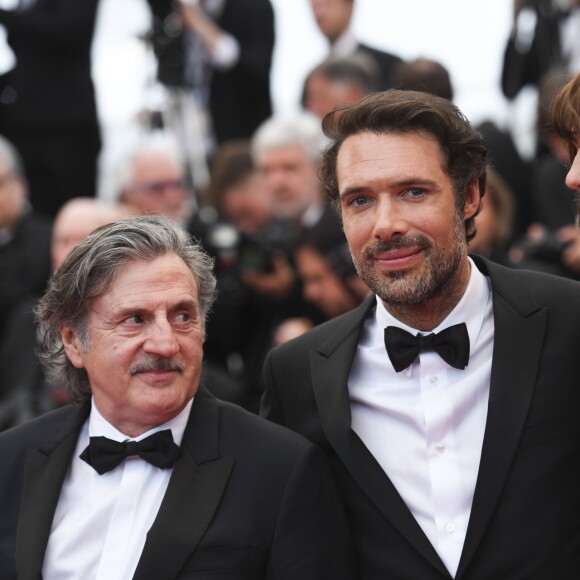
<point>543,39</point>
<point>448,403</point>
<point>25,393</point>
<point>224,56</point>
<point>48,106</point>
<point>151,477</point>
<point>24,238</point>
<point>333,18</point>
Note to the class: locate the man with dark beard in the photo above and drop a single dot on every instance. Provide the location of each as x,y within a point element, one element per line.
<point>448,403</point>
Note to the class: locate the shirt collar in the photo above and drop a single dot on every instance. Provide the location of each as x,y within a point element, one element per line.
<point>470,309</point>
<point>100,427</point>
<point>312,214</point>
<point>344,45</point>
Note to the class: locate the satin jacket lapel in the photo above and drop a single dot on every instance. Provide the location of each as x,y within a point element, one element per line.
<point>330,365</point>
<point>519,336</point>
<point>195,489</point>
<point>44,473</point>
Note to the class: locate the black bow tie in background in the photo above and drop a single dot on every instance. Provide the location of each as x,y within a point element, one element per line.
<point>451,344</point>
<point>104,454</point>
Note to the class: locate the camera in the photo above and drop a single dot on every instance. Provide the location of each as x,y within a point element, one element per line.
<point>166,39</point>
<point>256,253</point>
<point>236,252</point>
<point>547,248</point>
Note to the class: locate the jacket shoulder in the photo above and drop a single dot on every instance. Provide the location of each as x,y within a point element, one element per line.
<point>246,430</point>
<point>516,285</point>
<point>40,431</point>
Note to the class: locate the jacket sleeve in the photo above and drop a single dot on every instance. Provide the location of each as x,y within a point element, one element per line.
<point>312,539</point>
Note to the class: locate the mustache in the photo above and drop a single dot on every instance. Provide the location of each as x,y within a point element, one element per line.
<point>396,244</point>
<point>160,364</point>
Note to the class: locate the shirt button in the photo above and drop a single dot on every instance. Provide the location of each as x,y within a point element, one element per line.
<point>440,447</point>
<point>450,527</point>
<point>434,380</point>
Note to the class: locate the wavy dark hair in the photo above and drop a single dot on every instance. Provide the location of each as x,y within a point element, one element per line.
<point>90,271</point>
<point>565,115</point>
<point>399,112</point>
<point>565,120</point>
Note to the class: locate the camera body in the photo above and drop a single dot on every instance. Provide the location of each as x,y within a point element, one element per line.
<point>547,248</point>
<point>167,41</point>
<point>238,253</point>
<point>256,253</point>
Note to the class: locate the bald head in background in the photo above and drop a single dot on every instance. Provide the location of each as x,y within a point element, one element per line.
<point>76,220</point>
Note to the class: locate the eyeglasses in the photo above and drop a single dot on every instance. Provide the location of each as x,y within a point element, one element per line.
<point>158,187</point>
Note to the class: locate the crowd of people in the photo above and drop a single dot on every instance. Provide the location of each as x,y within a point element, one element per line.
<point>397,286</point>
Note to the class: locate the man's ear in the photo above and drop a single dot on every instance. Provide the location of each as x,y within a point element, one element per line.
<point>471,199</point>
<point>72,345</point>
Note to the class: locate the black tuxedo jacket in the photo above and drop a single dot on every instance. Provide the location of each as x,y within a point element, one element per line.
<point>240,97</point>
<point>50,88</point>
<point>525,515</point>
<point>523,67</point>
<point>246,500</point>
<point>48,107</point>
<point>386,62</point>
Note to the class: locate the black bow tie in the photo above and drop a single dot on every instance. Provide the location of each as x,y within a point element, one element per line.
<point>451,344</point>
<point>104,454</point>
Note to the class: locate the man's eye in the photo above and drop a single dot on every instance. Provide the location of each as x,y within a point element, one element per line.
<point>135,319</point>
<point>415,192</point>
<point>184,317</point>
<point>357,201</point>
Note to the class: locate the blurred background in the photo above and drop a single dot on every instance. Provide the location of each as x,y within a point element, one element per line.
<point>468,38</point>
<point>208,112</point>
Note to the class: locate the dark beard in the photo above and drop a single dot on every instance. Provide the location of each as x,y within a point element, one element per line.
<point>401,288</point>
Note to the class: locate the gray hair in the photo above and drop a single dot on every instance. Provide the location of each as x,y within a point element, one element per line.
<point>157,143</point>
<point>302,129</point>
<point>10,157</point>
<point>89,272</point>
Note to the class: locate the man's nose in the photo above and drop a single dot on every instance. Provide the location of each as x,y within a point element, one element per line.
<point>573,177</point>
<point>161,339</point>
<point>276,179</point>
<point>390,218</point>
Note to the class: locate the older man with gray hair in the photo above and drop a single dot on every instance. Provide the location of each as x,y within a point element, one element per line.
<point>287,152</point>
<point>152,179</point>
<point>151,477</point>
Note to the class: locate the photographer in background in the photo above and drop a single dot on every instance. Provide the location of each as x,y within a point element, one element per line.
<point>219,52</point>
<point>247,241</point>
<point>48,107</point>
<point>549,242</point>
<point>545,37</point>
<point>329,278</point>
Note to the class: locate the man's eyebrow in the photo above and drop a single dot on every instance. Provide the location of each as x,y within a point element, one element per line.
<point>186,304</point>
<point>129,311</point>
<point>351,190</point>
<point>139,310</point>
<point>417,181</point>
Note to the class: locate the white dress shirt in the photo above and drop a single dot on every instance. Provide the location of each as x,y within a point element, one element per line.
<point>101,521</point>
<point>345,45</point>
<point>425,425</point>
